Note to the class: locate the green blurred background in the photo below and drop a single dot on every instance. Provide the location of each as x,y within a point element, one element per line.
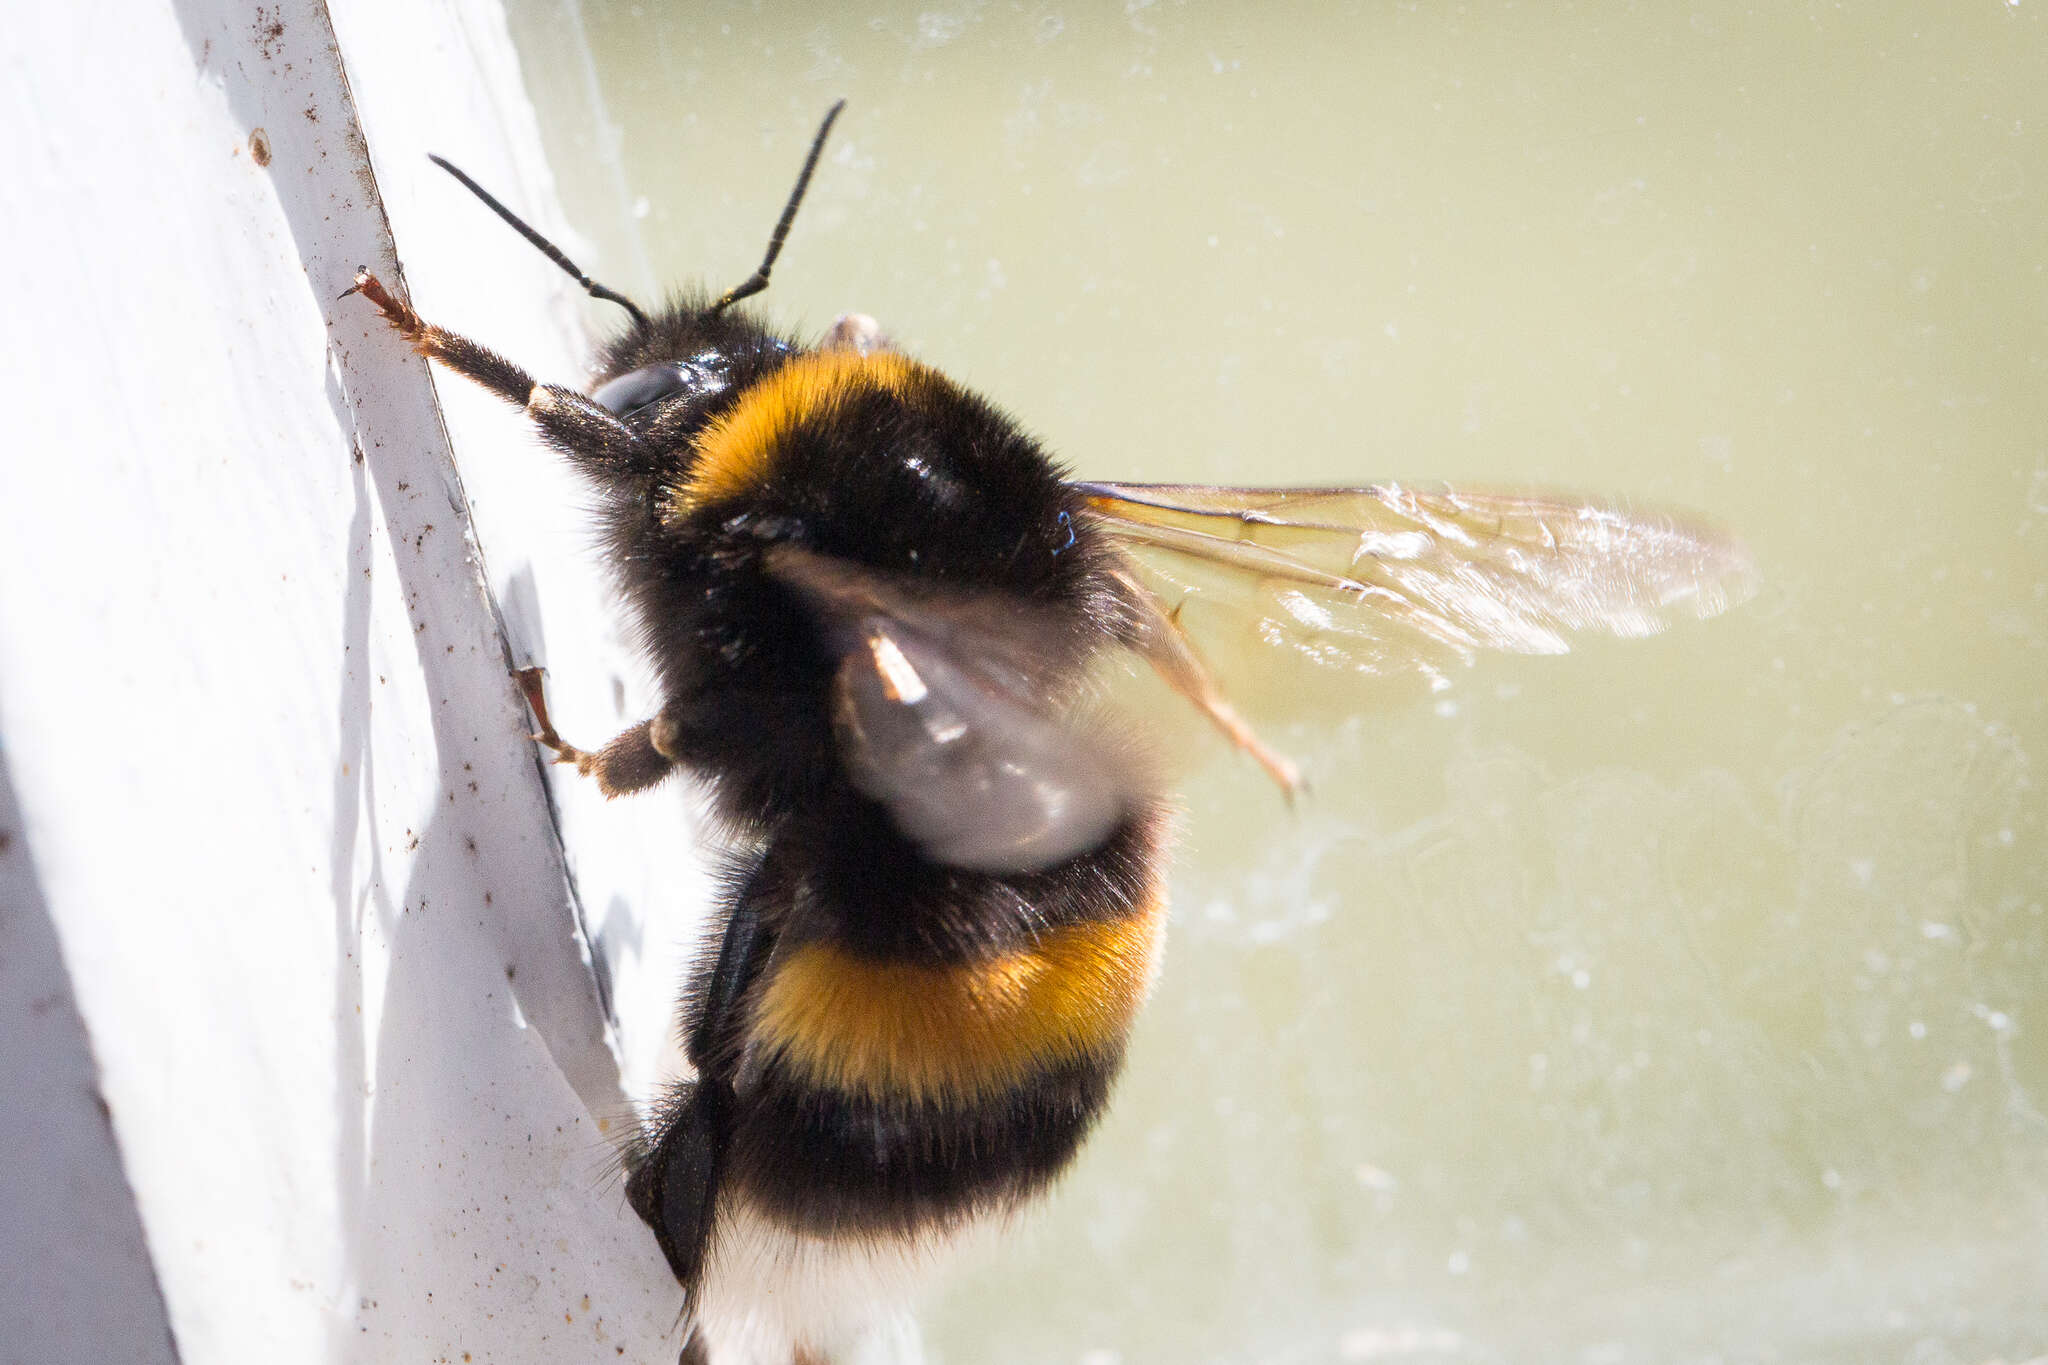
<point>1677,1000</point>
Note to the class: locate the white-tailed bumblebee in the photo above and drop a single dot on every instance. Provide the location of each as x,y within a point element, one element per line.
<point>873,603</point>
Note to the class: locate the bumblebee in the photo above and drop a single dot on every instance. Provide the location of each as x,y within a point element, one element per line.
<point>873,603</point>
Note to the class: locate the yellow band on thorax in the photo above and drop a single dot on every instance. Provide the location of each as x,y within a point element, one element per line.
<point>734,452</point>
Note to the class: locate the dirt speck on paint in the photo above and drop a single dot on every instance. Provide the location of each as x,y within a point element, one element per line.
<point>259,146</point>
<point>269,32</point>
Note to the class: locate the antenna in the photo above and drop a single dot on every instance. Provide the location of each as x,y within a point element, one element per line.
<point>758,281</point>
<point>555,254</point>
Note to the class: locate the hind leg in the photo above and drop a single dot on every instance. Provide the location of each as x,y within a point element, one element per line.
<point>674,1186</point>
<point>673,1173</point>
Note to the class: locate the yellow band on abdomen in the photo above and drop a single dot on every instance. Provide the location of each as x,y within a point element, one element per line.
<point>959,1033</point>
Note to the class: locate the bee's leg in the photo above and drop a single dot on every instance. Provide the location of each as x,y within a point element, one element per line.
<point>573,423</point>
<point>1167,648</point>
<point>858,333</point>
<point>631,762</point>
<point>713,1039</point>
<point>673,1181</point>
<point>673,1186</point>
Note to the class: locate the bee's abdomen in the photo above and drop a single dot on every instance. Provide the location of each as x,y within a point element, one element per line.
<point>896,1095</point>
<point>830,1164</point>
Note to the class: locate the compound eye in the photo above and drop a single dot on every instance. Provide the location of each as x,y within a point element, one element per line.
<point>641,388</point>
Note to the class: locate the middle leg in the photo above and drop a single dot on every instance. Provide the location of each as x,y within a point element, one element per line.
<point>631,762</point>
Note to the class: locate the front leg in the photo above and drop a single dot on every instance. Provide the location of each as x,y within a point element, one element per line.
<point>573,423</point>
<point>631,762</point>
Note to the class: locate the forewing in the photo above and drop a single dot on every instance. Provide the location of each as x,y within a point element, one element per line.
<point>938,718</point>
<point>1388,577</point>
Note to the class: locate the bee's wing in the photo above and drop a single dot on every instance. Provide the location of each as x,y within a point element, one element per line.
<point>1389,578</point>
<point>938,718</point>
